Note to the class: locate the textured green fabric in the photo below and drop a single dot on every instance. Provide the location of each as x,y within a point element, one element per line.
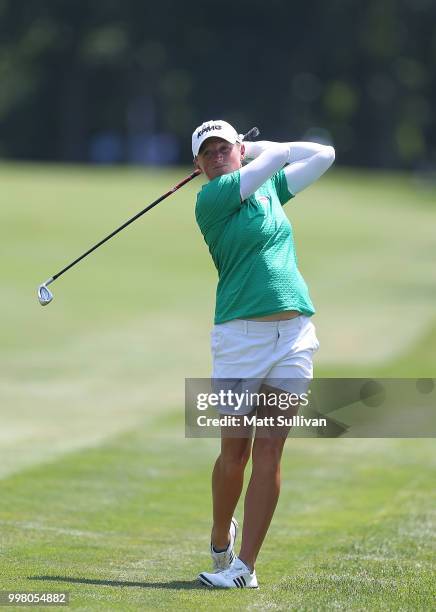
<point>252,246</point>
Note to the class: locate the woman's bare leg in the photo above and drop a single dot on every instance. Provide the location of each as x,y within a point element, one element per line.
<point>227,483</point>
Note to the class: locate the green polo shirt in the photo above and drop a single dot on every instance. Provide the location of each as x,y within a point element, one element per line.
<point>252,246</point>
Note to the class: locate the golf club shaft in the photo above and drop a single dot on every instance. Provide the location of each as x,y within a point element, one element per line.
<point>112,234</point>
<point>251,134</point>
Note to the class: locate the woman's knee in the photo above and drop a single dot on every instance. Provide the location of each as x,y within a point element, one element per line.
<point>235,454</point>
<point>267,454</point>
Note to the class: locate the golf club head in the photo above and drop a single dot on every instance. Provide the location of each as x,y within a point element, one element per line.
<point>45,296</point>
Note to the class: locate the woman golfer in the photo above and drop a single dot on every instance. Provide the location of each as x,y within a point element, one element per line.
<point>263,334</point>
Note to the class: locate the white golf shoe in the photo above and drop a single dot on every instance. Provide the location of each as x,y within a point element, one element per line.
<point>237,576</point>
<point>222,560</point>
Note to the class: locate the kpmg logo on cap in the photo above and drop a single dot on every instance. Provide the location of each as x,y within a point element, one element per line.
<point>208,128</point>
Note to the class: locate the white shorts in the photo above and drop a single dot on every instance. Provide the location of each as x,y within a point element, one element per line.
<point>247,354</point>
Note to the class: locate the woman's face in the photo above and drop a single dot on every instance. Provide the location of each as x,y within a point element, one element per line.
<point>217,157</point>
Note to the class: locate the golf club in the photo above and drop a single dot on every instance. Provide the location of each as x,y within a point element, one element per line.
<point>45,296</point>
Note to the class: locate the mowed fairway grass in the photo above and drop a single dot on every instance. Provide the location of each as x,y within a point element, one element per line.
<point>102,496</point>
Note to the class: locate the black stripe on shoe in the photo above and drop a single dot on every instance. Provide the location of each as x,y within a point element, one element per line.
<point>235,580</point>
<point>243,580</point>
<point>205,580</point>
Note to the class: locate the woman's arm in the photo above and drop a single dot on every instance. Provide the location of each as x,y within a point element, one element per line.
<point>268,162</point>
<point>307,161</point>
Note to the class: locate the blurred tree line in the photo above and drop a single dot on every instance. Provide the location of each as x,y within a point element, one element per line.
<point>112,80</point>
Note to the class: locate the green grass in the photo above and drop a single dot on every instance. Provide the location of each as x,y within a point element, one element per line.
<point>125,526</point>
<point>102,495</point>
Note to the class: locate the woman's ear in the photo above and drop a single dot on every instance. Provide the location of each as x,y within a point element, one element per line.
<point>242,151</point>
<point>196,164</point>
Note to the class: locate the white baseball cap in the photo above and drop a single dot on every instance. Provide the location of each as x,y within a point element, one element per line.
<point>217,128</point>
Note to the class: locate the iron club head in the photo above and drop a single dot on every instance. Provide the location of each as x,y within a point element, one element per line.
<point>45,296</point>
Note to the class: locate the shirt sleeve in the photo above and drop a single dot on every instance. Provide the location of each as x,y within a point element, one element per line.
<point>270,161</point>
<point>218,199</point>
<point>307,161</point>
<point>302,173</point>
<point>280,184</point>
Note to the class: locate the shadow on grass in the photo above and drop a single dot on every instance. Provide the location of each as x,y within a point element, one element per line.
<point>172,584</point>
